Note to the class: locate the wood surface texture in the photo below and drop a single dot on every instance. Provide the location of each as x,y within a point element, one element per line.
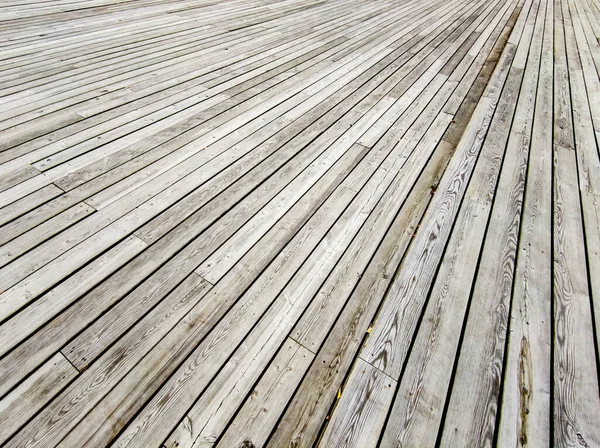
<point>298,223</point>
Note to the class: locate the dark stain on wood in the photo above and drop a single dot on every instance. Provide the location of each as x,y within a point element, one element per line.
<point>525,381</point>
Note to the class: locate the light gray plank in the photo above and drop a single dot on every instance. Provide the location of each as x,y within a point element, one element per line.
<point>32,394</point>
<point>360,412</point>
<point>576,393</point>
<point>267,400</point>
<point>527,388</point>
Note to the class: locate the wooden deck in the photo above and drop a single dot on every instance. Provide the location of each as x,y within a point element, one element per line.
<point>344,223</point>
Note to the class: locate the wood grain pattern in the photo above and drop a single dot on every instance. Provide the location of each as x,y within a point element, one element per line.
<point>294,223</point>
<point>525,415</point>
<point>267,400</point>
<point>300,424</point>
<point>473,404</point>
<point>576,380</point>
<point>34,393</point>
<point>358,418</point>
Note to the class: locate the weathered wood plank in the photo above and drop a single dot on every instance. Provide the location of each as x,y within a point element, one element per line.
<point>420,400</point>
<point>360,413</point>
<point>32,394</point>
<point>162,360</point>
<point>302,420</point>
<point>473,403</point>
<point>525,409</point>
<point>381,350</point>
<point>576,392</point>
<point>268,399</point>
<point>583,77</point>
<point>280,223</point>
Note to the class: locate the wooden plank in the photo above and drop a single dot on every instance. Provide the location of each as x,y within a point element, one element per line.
<point>379,342</point>
<point>234,64</point>
<point>27,321</point>
<point>97,337</point>
<point>420,400</point>
<point>281,441</point>
<point>17,176</point>
<point>136,343</point>
<point>585,112</point>
<point>310,405</point>
<point>527,380</point>
<point>357,419</point>
<point>267,400</point>
<point>175,347</point>
<point>473,401</point>
<point>31,395</point>
<point>196,414</point>
<point>285,310</point>
<point>576,393</point>
<point>169,69</point>
<point>333,170</point>
<point>399,361</point>
<point>18,208</point>
<point>180,80</point>
<point>183,208</point>
<point>94,303</point>
<point>50,162</point>
<point>306,332</point>
<point>307,411</point>
<point>297,166</point>
<point>102,237</point>
<point>50,96</point>
<point>197,421</point>
<point>178,343</point>
<point>313,327</point>
<point>28,240</point>
<point>189,74</point>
